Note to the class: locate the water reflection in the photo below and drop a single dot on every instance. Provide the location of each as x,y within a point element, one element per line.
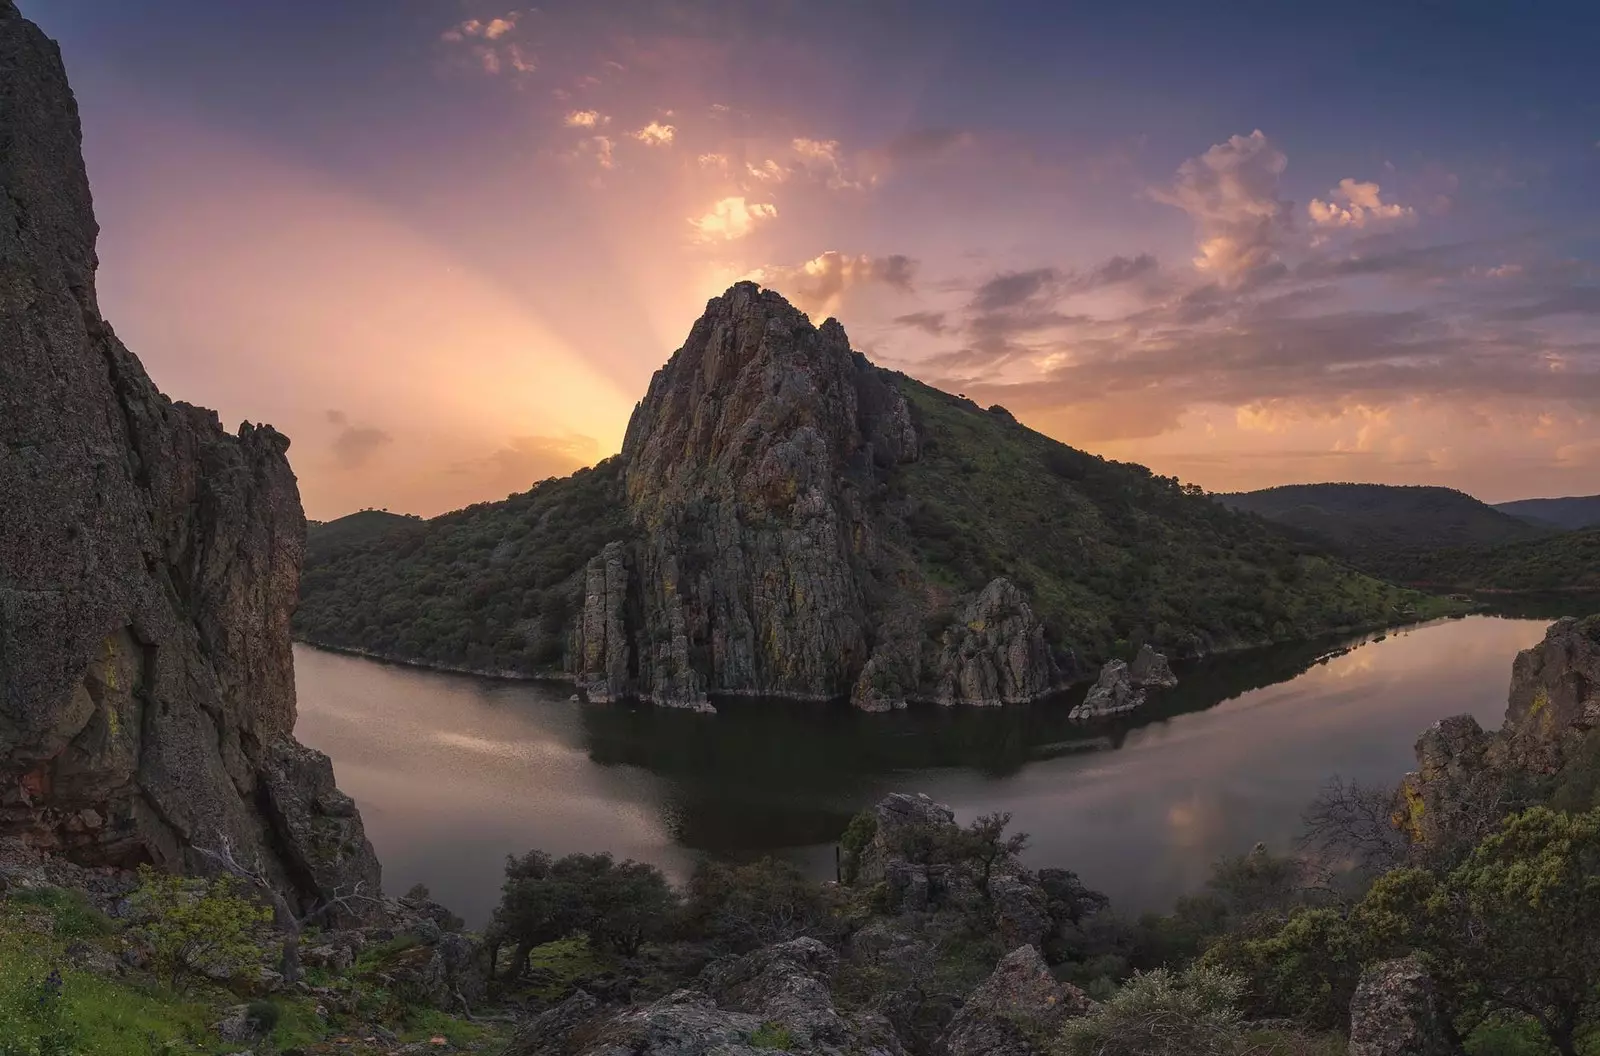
<point>453,772</point>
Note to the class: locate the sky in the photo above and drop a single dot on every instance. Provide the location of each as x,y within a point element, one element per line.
<point>443,244</point>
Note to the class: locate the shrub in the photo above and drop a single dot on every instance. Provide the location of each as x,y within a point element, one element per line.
<point>771,1036</point>
<point>263,1015</point>
<point>1306,970</point>
<point>197,927</point>
<point>1162,1013</point>
<point>857,835</point>
<point>619,906</point>
<point>740,907</point>
<point>71,914</point>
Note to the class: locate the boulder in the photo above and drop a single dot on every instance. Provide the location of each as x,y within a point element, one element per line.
<point>1112,694</point>
<point>1017,1011</point>
<point>149,563</point>
<point>1149,668</point>
<point>1397,1011</point>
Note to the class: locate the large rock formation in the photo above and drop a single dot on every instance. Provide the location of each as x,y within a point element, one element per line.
<point>1017,1011</point>
<point>1121,687</point>
<point>149,563</point>
<point>758,568</point>
<point>1467,780</point>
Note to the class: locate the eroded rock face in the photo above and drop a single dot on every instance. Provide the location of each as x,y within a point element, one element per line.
<point>1149,668</point>
<point>149,563</point>
<point>1017,1011</point>
<point>996,654</point>
<point>1397,1011</point>
<point>760,565</point>
<point>1121,687</point>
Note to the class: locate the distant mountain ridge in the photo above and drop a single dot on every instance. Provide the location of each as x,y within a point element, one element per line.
<point>1383,527</point>
<point>786,519</point>
<point>1569,513</point>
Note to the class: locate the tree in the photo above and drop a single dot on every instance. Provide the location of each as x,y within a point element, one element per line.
<point>1305,970</point>
<point>618,906</point>
<point>985,842</point>
<point>1516,926</point>
<point>1354,823</point>
<point>196,926</point>
<point>741,907</point>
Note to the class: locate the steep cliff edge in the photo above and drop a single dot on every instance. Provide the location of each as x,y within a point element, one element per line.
<point>149,564</point>
<point>786,519</point>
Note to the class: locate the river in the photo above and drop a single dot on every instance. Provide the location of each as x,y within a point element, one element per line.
<point>454,772</point>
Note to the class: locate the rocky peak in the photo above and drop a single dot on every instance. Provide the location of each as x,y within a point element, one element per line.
<point>148,567</point>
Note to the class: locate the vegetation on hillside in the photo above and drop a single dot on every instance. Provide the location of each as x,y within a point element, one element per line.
<point>1385,528</point>
<point>1569,513</point>
<point>325,537</point>
<point>1110,554</point>
<point>492,587</point>
<point>1567,562</point>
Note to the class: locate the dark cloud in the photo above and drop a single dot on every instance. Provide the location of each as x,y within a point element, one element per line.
<point>927,322</point>
<point>355,445</point>
<point>526,460</point>
<point>1574,300</point>
<point>1116,270</point>
<point>818,285</point>
<point>1013,288</point>
<point>336,417</point>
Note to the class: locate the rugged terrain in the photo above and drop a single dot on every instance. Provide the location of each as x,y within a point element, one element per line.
<point>786,519</point>
<point>149,563</point>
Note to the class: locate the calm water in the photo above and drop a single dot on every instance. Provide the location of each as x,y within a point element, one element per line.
<point>453,772</point>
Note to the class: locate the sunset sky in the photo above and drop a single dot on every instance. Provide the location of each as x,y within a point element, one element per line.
<point>443,244</point>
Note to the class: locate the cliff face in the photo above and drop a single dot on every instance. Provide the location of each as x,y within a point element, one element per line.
<point>760,565</point>
<point>149,563</point>
<point>1467,779</point>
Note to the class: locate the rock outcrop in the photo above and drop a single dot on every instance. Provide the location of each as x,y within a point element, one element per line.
<point>776,998</point>
<point>149,564</point>
<point>1017,1011</point>
<point>1467,779</point>
<point>996,653</point>
<point>1121,686</point>
<point>1397,1011</point>
<point>759,567</point>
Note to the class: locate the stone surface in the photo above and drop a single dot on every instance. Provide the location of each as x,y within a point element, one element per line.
<point>1150,668</point>
<point>761,564</point>
<point>996,653</point>
<point>773,999</point>
<point>1017,1011</point>
<point>149,561</point>
<point>1397,1011</point>
<point>1112,694</point>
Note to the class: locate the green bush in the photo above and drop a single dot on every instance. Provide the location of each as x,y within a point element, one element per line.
<point>198,927</point>
<point>740,907</point>
<point>1162,1013</point>
<point>771,1036</point>
<point>264,1015</point>
<point>72,915</point>
<point>857,835</point>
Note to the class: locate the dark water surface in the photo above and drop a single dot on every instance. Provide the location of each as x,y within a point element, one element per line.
<point>454,772</point>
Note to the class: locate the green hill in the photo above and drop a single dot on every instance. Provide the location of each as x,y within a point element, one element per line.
<point>1561,563</point>
<point>791,520</point>
<point>1568,514</point>
<point>323,537</point>
<point>1385,528</point>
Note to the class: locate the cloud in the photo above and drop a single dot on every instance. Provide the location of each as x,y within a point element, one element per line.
<point>928,322</point>
<point>731,218</point>
<point>355,445</point>
<point>1356,205</point>
<point>526,460</point>
<point>655,134</point>
<point>817,286</point>
<point>1231,193</point>
<point>585,119</point>
<point>1012,288</point>
<point>823,159</point>
<point>925,143</point>
<point>486,44</point>
<point>768,171</point>
<point>713,161</point>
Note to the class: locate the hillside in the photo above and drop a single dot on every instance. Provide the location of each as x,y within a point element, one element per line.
<point>786,519</point>
<point>325,536</point>
<point>1383,528</point>
<point>1561,563</point>
<point>1569,514</point>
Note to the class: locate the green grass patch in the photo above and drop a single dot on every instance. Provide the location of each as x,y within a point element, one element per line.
<point>556,967</point>
<point>72,915</point>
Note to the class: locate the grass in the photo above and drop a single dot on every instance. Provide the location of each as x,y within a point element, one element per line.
<point>771,1036</point>
<point>556,967</point>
